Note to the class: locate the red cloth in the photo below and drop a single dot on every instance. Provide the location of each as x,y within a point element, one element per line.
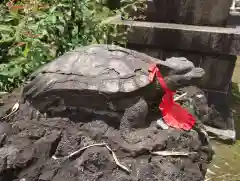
<point>173,114</point>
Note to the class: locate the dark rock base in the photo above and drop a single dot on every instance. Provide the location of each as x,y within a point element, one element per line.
<point>214,111</point>
<point>27,147</point>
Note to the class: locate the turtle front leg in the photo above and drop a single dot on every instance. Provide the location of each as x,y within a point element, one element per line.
<point>133,118</point>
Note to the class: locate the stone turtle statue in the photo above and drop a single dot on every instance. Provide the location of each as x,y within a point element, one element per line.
<point>105,82</point>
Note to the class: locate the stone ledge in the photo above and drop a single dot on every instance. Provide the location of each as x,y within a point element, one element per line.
<point>227,136</point>
<point>202,39</point>
<point>234,12</point>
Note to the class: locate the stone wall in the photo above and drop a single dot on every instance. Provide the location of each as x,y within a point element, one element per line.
<point>191,12</point>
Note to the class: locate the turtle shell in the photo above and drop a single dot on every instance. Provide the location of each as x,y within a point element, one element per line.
<point>106,70</point>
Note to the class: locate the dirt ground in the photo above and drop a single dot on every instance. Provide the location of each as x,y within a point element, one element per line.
<point>236,75</point>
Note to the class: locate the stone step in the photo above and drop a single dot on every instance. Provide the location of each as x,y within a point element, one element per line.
<point>202,39</point>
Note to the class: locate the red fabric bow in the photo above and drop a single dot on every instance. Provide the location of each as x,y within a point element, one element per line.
<point>173,114</point>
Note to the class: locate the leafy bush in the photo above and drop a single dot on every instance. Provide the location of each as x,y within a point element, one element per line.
<point>236,93</point>
<point>34,32</point>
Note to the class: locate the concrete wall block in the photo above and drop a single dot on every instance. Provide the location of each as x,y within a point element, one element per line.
<point>157,53</point>
<point>192,12</point>
<point>219,70</point>
<point>221,104</point>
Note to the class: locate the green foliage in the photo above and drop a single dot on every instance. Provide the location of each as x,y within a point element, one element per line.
<point>34,32</point>
<point>236,93</point>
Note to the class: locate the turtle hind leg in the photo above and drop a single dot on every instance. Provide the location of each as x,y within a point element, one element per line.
<point>133,118</point>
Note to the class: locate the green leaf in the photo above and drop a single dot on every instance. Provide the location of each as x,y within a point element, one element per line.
<point>65,25</point>
<point>26,50</point>
<point>6,28</point>
<point>60,29</point>
<point>53,19</point>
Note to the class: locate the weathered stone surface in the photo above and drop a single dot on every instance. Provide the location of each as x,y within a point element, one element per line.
<point>3,164</point>
<point>202,39</point>
<point>2,139</point>
<point>30,158</point>
<point>233,19</point>
<point>222,104</point>
<point>219,70</point>
<point>5,128</point>
<point>218,114</point>
<point>213,111</point>
<point>41,150</point>
<point>192,12</point>
<point>47,175</point>
<point>228,136</point>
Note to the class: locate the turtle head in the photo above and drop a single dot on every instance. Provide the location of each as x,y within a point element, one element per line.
<point>179,72</point>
